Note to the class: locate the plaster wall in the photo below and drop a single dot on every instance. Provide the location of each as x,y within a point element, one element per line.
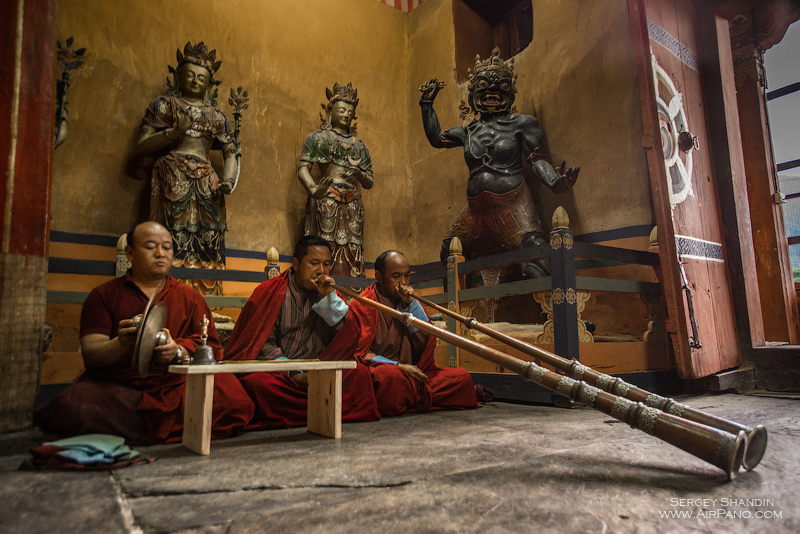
<point>577,77</point>
<point>284,53</point>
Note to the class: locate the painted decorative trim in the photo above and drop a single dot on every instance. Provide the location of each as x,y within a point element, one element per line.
<point>558,295</point>
<point>571,296</point>
<point>699,249</point>
<point>406,6</point>
<point>674,46</point>
<point>555,242</point>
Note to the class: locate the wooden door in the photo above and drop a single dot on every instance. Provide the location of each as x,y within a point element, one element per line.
<point>685,192</point>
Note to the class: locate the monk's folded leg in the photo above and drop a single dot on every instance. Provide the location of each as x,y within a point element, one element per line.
<point>279,401</point>
<point>232,409</point>
<point>452,388</point>
<point>93,407</point>
<point>358,397</point>
<point>396,392</point>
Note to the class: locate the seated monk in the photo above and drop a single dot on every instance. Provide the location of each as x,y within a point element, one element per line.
<point>298,315</point>
<point>400,358</point>
<point>111,397</point>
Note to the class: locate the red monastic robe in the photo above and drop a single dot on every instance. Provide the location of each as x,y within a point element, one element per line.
<point>280,402</point>
<point>116,400</point>
<point>396,392</point>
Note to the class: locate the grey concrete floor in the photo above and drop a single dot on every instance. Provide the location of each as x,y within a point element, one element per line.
<point>504,468</point>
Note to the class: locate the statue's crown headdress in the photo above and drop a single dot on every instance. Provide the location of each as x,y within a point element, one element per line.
<point>341,93</point>
<point>199,55</point>
<point>493,62</point>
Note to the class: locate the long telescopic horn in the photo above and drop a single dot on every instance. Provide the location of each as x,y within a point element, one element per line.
<point>755,438</point>
<point>717,447</point>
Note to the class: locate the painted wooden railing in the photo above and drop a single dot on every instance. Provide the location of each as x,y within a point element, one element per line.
<point>561,295</point>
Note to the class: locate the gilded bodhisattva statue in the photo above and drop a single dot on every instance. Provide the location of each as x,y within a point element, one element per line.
<point>334,210</point>
<point>187,196</point>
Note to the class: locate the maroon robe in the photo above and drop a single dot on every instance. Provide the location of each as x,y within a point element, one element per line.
<point>116,400</point>
<point>396,392</point>
<point>280,401</point>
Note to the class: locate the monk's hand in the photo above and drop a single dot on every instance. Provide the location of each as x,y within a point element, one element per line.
<point>413,371</point>
<point>324,284</point>
<point>301,379</point>
<point>126,333</point>
<point>165,354</point>
<point>406,294</point>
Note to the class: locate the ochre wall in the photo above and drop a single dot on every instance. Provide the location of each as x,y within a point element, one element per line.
<point>285,53</point>
<point>577,77</point>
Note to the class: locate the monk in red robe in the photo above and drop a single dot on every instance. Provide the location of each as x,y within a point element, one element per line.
<point>111,397</point>
<point>400,358</point>
<point>298,315</point>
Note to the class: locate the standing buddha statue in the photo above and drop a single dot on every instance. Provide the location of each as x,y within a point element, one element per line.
<point>334,210</point>
<point>187,195</point>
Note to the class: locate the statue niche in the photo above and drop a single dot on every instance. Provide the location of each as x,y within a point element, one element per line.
<point>500,214</point>
<point>334,210</point>
<point>188,197</point>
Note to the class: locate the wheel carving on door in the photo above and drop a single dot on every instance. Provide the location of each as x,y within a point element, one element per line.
<point>676,141</point>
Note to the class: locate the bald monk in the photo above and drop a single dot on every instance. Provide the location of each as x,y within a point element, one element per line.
<point>111,397</point>
<point>400,358</point>
<point>298,315</point>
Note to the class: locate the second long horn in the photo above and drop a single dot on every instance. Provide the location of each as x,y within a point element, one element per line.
<point>755,438</point>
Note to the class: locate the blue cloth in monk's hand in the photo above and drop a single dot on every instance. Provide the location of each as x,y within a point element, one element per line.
<point>94,448</point>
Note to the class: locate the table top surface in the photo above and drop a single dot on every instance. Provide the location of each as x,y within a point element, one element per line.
<point>253,366</point>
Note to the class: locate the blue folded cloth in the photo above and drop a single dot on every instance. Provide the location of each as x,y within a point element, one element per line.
<point>94,448</point>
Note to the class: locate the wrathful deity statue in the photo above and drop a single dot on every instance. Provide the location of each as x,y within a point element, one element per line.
<point>334,209</point>
<point>500,214</point>
<point>187,195</point>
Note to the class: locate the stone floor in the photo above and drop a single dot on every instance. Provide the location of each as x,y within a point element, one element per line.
<point>504,468</point>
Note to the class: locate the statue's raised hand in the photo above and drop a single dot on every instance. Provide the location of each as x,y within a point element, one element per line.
<point>183,120</point>
<point>566,178</point>
<point>430,89</point>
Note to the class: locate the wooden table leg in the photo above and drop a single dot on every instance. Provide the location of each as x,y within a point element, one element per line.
<point>197,413</point>
<point>325,402</point>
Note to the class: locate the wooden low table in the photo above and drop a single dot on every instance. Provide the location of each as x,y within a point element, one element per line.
<point>324,395</point>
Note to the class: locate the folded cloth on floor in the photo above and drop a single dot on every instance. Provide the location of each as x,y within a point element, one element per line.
<point>93,452</point>
<point>94,448</point>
